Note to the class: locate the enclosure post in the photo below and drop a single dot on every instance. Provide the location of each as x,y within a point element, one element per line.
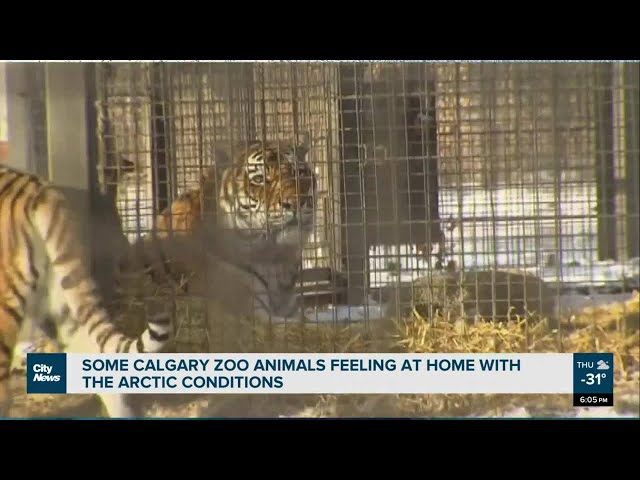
<point>67,125</point>
<point>20,149</point>
<point>632,170</point>
<point>605,163</point>
<point>160,165</point>
<point>69,129</point>
<point>3,112</point>
<point>355,245</point>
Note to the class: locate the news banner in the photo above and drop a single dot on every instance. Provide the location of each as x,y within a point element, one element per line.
<point>588,376</point>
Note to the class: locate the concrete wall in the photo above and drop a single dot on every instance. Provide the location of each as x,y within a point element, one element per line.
<point>3,114</point>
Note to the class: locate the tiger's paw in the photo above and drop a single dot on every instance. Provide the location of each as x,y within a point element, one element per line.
<point>5,407</point>
<point>121,406</point>
<point>19,362</point>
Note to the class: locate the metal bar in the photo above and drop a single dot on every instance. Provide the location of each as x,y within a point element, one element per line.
<point>70,127</point>
<point>67,127</point>
<point>20,149</point>
<point>605,166</point>
<point>353,237</point>
<point>632,161</point>
<point>159,166</point>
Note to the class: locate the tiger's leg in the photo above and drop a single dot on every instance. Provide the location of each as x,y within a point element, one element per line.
<point>10,324</point>
<point>121,406</point>
<point>32,336</point>
<point>277,307</point>
<point>269,290</point>
<point>25,344</point>
<point>118,405</point>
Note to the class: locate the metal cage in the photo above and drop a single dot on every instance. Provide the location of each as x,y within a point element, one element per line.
<point>451,196</point>
<point>423,167</point>
<point>172,119</point>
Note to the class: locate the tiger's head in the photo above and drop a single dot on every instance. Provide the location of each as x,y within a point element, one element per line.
<point>270,189</point>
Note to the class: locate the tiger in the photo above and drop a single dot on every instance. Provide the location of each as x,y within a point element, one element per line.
<point>45,280</point>
<point>109,245</point>
<point>188,209</point>
<point>258,210</point>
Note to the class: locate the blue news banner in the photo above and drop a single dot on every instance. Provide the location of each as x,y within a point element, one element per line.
<point>588,376</point>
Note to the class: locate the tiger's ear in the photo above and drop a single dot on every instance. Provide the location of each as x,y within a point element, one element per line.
<point>246,145</point>
<point>237,151</point>
<point>253,144</point>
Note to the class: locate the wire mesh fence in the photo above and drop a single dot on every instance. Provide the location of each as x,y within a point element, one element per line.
<point>506,185</point>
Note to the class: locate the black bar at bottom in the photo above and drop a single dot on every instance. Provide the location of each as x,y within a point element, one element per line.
<point>593,400</point>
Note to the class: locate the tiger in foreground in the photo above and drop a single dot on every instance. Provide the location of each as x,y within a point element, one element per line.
<point>258,211</point>
<point>45,280</point>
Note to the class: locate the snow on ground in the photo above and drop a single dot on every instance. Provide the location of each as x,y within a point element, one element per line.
<point>372,311</point>
<point>568,302</point>
<point>578,412</point>
<point>521,227</point>
<point>549,233</point>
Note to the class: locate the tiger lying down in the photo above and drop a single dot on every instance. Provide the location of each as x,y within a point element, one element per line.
<point>252,217</point>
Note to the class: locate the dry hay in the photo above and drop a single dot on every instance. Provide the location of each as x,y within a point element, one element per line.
<point>611,328</point>
<point>598,330</point>
<point>477,294</point>
<point>592,332</point>
<point>605,329</point>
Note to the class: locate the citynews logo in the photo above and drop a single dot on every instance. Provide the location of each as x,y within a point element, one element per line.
<point>43,373</point>
<point>46,373</point>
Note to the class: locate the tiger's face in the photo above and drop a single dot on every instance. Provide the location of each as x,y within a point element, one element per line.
<point>271,189</point>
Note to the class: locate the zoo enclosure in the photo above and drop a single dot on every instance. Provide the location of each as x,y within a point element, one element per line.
<point>534,163</point>
<point>529,166</point>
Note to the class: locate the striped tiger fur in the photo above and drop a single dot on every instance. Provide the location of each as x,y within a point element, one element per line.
<point>45,280</point>
<point>109,246</point>
<point>258,211</point>
<point>187,211</point>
